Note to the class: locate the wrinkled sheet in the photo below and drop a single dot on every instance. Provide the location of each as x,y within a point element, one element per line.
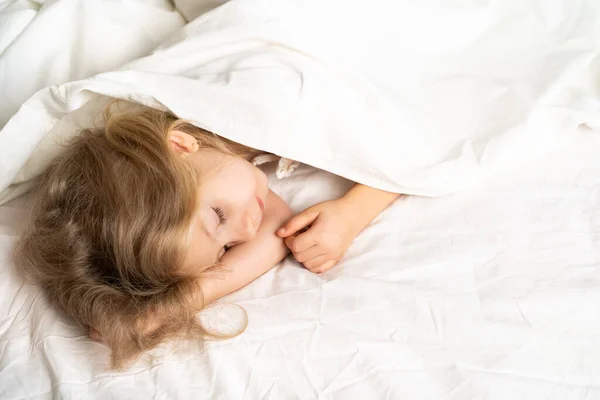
<point>492,293</point>
<point>489,293</point>
<point>413,97</point>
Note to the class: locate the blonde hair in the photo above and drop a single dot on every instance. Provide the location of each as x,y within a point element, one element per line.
<point>108,233</point>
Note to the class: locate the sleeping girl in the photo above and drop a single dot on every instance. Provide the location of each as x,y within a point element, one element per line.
<point>141,224</point>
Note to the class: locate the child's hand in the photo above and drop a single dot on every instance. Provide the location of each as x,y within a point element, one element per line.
<point>320,235</point>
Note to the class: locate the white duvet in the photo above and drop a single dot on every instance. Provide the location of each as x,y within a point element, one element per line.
<point>414,97</point>
<point>492,292</point>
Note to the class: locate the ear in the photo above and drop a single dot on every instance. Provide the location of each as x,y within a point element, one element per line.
<point>182,142</point>
<point>95,335</point>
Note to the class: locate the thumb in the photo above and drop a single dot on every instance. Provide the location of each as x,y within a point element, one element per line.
<point>298,222</point>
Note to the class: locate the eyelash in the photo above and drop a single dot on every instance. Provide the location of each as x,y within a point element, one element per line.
<point>220,214</point>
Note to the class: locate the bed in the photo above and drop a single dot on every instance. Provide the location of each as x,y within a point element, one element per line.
<point>489,293</point>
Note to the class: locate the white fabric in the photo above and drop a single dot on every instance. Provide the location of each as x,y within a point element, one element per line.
<point>191,9</point>
<point>44,43</point>
<point>490,293</point>
<point>493,294</point>
<point>414,97</point>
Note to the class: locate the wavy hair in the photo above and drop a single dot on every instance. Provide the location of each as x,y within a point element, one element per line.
<point>108,234</point>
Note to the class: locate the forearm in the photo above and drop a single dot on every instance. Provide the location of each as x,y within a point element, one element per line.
<point>247,261</point>
<point>367,203</point>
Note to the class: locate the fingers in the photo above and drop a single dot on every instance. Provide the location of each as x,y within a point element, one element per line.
<point>316,262</point>
<point>314,258</point>
<point>309,254</point>
<point>298,222</point>
<point>300,243</point>
<point>324,267</point>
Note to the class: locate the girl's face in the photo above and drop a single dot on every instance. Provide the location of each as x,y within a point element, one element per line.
<point>231,201</point>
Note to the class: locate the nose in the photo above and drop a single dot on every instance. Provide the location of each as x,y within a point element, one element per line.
<point>248,228</point>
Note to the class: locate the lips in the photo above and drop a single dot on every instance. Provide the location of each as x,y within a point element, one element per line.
<point>261,204</point>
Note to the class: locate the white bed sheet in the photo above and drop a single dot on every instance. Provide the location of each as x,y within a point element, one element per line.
<point>493,294</point>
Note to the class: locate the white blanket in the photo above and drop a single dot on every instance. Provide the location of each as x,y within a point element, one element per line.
<point>45,43</point>
<point>414,97</point>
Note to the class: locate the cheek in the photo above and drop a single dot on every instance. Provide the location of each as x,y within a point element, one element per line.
<point>240,183</point>
<point>263,180</point>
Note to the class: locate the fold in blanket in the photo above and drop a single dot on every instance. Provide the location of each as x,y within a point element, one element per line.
<point>414,97</point>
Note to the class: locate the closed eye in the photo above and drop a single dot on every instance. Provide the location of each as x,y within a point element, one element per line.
<point>220,214</point>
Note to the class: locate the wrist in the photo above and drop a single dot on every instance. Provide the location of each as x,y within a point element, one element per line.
<point>355,213</point>
<point>364,203</point>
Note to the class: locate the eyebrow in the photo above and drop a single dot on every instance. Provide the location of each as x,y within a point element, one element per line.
<point>203,228</point>
<point>212,238</point>
<point>209,234</point>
